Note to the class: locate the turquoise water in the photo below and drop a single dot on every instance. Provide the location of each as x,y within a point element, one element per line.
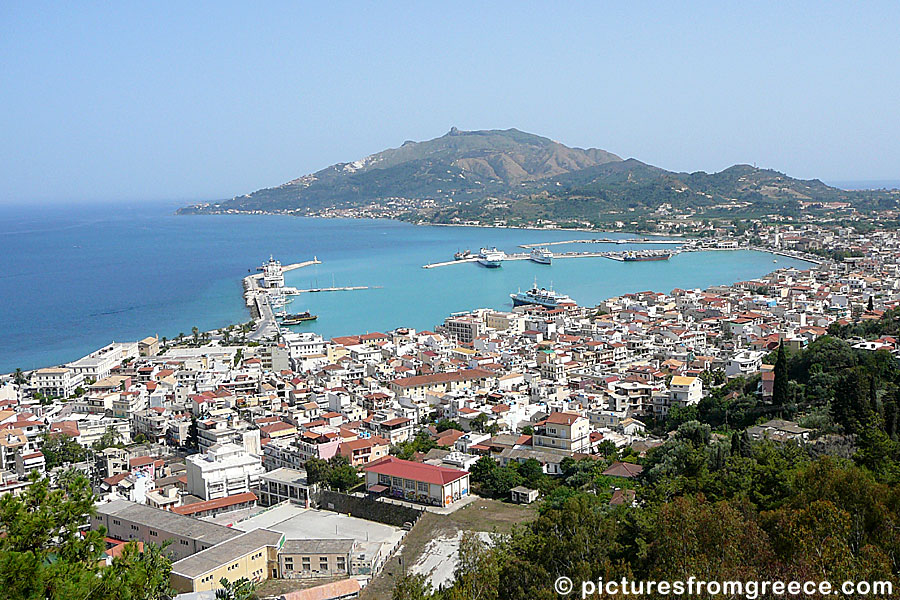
<point>75,278</point>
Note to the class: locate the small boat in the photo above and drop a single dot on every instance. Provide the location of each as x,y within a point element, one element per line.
<point>298,318</point>
<point>462,255</point>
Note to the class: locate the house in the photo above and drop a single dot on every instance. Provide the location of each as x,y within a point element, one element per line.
<point>563,432</point>
<point>428,484</point>
<point>623,469</point>
<point>523,495</point>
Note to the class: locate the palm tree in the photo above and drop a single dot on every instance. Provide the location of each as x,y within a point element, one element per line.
<point>195,332</point>
<point>20,377</point>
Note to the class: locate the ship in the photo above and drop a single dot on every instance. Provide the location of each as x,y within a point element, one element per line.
<point>491,258</point>
<point>646,255</point>
<point>541,255</point>
<point>462,255</point>
<point>540,297</point>
<point>298,318</point>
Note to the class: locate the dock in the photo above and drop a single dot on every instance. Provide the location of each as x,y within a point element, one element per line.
<point>619,256</point>
<point>603,241</point>
<point>346,288</point>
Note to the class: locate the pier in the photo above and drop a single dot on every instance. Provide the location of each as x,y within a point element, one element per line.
<point>603,241</point>
<point>619,256</point>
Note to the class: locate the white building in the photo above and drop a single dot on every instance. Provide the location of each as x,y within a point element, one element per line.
<point>225,470</point>
<point>745,363</point>
<point>302,345</point>
<point>58,382</point>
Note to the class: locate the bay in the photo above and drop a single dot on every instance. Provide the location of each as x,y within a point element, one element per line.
<point>76,277</point>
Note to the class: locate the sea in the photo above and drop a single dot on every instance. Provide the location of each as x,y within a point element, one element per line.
<point>76,277</point>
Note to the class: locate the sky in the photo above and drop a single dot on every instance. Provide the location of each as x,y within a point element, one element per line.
<point>205,101</point>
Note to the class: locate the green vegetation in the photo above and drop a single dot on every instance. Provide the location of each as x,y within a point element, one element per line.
<point>45,554</point>
<point>61,449</point>
<point>335,473</point>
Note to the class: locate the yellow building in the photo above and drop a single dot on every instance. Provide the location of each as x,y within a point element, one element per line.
<point>253,555</point>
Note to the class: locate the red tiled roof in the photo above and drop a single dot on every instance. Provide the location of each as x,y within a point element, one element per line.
<point>214,504</point>
<point>395,467</point>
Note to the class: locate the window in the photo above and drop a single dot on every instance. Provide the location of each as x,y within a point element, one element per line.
<point>384,479</point>
<point>323,563</point>
<point>305,563</point>
<point>423,486</point>
<point>341,563</point>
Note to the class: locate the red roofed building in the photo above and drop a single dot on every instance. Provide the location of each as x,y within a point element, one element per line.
<point>418,482</point>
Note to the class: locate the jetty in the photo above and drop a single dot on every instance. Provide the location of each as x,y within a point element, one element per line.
<point>619,256</point>
<point>602,241</point>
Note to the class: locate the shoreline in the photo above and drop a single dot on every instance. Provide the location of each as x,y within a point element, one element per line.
<point>814,262</point>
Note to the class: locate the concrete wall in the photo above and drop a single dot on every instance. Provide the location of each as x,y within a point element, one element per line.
<point>366,508</point>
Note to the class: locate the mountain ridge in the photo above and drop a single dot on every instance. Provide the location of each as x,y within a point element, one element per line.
<point>495,174</point>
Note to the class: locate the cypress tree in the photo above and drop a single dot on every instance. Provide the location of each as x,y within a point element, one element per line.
<point>780,390</point>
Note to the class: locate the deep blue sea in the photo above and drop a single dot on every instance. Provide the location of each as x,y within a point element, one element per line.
<point>73,278</point>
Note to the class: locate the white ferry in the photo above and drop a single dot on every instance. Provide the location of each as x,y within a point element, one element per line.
<point>541,297</point>
<point>541,255</point>
<point>491,258</point>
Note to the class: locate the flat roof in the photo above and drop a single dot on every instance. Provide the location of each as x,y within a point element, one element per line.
<point>286,475</point>
<point>170,522</point>
<point>221,554</point>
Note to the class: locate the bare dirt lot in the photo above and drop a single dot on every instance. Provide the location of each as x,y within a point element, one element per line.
<point>482,515</point>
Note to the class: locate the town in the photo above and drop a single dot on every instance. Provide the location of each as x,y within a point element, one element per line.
<point>307,464</point>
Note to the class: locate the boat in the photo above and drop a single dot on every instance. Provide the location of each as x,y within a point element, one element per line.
<point>646,255</point>
<point>462,255</point>
<point>298,318</point>
<point>541,256</point>
<point>491,258</point>
<point>540,297</point>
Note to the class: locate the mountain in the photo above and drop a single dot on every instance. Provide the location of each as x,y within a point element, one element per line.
<point>517,177</point>
<point>460,164</point>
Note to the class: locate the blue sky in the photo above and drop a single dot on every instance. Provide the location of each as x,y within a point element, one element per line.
<point>205,101</point>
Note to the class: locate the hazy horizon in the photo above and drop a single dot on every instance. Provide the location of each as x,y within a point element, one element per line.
<point>209,101</point>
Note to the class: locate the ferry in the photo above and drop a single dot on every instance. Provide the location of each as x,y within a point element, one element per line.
<point>541,256</point>
<point>491,258</point>
<point>541,297</point>
<point>646,255</point>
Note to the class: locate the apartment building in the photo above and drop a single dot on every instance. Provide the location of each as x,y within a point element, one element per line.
<point>563,432</point>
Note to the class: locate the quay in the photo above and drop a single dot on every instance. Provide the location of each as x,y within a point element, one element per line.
<point>259,304</point>
<point>347,288</point>
<point>619,256</point>
<point>603,241</point>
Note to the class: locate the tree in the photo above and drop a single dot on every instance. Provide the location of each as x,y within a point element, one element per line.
<point>445,424</point>
<point>781,384</point>
<point>480,422</point>
<point>412,587</point>
<point>61,449</point>
<point>45,551</point>
<point>317,471</point>
<point>20,377</point>
<point>195,333</point>
<point>110,438</point>
<point>241,589</point>
<point>193,439</point>
<point>871,305</point>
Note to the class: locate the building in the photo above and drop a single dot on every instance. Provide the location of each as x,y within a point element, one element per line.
<point>464,329</point>
<point>284,484</point>
<point>301,559</point>
<point>126,521</point>
<point>364,450</point>
<point>419,482</point>
<point>252,555</point>
<point>56,382</point>
<point>209,508</point>
<point>418,386</point>
<point>225,470</point>
<point>683,391</point>
<point>563,432</point>
<point>149,346</point>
